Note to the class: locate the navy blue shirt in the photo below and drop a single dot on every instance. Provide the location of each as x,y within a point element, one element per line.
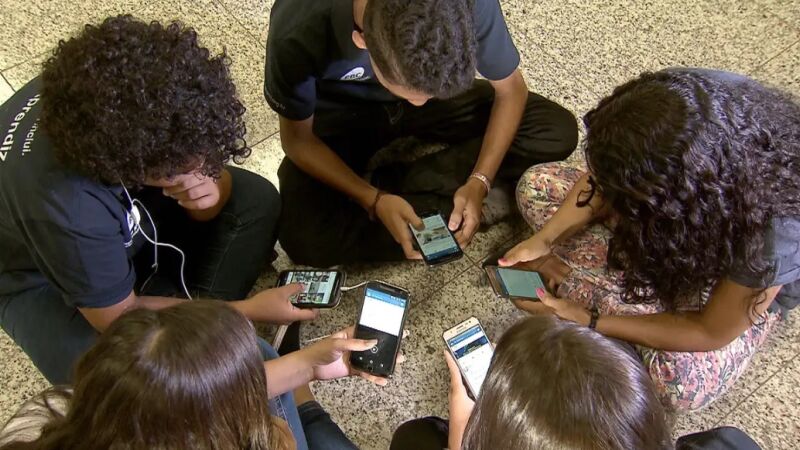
<point>56,226</point>
<point>311,56</point>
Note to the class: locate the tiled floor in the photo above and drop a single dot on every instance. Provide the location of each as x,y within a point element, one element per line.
<point>574,51</point>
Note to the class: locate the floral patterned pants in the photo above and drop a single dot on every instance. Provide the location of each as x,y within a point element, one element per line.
<point>685,381</point>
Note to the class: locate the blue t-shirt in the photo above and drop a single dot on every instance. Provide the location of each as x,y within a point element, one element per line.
<point>56,226</point>
<point>311,56</point>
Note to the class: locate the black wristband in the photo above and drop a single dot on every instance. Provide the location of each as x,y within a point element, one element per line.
<point>593,319</point>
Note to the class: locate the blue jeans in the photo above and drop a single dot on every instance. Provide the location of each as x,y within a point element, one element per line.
<point>311,426</point>
<point>224,257</point>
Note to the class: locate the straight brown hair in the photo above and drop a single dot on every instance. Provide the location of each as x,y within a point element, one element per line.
<point>557,385</point>
<point>188,376</point>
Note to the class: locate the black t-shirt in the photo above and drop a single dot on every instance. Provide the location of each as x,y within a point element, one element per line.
<point>55,226</point>
<point>311,57</point>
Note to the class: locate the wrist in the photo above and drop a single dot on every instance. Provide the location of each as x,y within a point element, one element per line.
<point>477,186</point>
<point>243,306</point>
<point>366,198</point>
<point>307,363</point>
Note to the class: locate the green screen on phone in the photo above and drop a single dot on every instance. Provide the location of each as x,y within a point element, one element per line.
<point>520,283</point>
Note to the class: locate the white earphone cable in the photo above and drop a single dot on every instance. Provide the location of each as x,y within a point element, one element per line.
<point>154,240</point>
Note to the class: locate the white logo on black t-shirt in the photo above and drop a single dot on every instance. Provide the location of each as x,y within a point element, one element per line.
<point>355,74</point>
<point>134,218</point>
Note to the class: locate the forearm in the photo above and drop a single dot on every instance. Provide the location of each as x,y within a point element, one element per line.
<point>315,158</point>
<point>679,332</point>
<point>287,373</point>
<point>570,218</point>
<point>504,120</point>
<point>225,185</point>
<point>455,434</point>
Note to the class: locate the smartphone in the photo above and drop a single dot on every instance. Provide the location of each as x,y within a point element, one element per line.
<point>472,351</point>
<point>514,283</point>
<point>382,316</point>
<point>322,289</point>
<point>436,242</point>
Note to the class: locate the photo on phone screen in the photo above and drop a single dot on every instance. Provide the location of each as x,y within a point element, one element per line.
<point>472,351</point>
<point>435,241</point>
<point>519,283</point>
<point>382,316</point>
<point>320,288</point>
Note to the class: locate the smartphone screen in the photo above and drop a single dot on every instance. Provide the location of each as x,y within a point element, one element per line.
<point>519,283</point>
<point>382,316</point>
<point>473,352</point>
<point>319,286</point>
<point>435,241</point>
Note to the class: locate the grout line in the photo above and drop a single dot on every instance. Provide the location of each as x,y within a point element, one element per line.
<point>783,365</point>
<point>236,19</point>
<point>2,75</point>
<point>769,60</point>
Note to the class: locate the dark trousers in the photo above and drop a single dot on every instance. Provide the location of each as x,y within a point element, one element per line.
<point>322,227</point>
<point>311,426</point>
<point>223,259</point>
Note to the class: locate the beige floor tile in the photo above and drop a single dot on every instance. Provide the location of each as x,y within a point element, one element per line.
<point>265,158</point>
<point>19,378</point>
<point>30,28</point>
<point>782,71</point>
<point>770,415</point>
<point>5,90</point>
<point>605,43</point>
<point>252,14</point>
<point>788,10</point>
<point>497,238</point>
<point>20,74</point>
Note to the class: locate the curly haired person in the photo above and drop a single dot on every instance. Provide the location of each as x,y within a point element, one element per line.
<point>694,174</point>
<point>124,139</point>
<point>349,77</point>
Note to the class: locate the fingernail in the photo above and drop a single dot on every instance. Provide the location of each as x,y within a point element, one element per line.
<point>540,292</point>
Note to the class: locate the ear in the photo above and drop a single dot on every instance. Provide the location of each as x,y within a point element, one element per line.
<point>358,39</point>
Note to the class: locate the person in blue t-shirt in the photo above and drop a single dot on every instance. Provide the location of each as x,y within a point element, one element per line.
<point>123,139</point>
<point>348,77</point>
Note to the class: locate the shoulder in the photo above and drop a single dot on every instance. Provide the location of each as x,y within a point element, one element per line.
<point>299,20</point>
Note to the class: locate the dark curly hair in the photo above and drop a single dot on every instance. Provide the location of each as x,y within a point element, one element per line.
<point>695,167</point>
<point>127,100</point>
<point>425,45</point>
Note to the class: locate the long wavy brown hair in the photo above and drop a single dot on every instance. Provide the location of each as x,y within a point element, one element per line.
<point>554,384</point>
<point>695,167</point>
<point>188,376</point>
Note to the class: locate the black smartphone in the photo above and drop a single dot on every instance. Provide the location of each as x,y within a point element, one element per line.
<point>382,316</point>
<point>514,283</point>
<point>322,287</point>
<point>436,242</point>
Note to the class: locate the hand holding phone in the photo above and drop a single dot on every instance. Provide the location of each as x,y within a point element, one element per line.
<point>435,241</point>
<point>321,289</point>
<point>274,306</point>
<point>514,284</point>
<point>397,215</point>
<point>382,317</point>
<point>472,352</point>
<point>330,356</point>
